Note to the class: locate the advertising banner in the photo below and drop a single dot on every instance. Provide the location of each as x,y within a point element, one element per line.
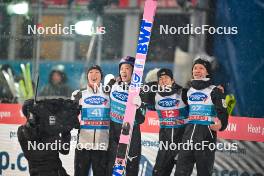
<point>247,134</point>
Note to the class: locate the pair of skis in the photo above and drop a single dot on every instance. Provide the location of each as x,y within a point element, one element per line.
<point>24,89</point>
<point>25,85</point>
<point>129,117</point>
<point>13,86</point>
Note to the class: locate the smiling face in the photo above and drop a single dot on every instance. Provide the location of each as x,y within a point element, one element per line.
<point>165,80</point>
<point>199,71</point>
<point>126,72</point>
<point>94,77</point>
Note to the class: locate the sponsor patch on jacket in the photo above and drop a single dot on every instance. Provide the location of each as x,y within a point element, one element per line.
<point>95,100</point>
<point>122,96</point>
<point>168,102</point>
<point>198,96</point>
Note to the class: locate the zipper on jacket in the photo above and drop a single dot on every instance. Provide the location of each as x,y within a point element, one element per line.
<point>172,134</point>
<point>192,132</point>
<point>210,132</point>
<point>95,92</point>
<point>94,138</point>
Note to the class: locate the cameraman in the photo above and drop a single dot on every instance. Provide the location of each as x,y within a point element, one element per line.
<point>42,161</point>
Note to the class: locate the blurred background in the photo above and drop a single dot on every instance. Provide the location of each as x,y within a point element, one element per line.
<point>33,31</point>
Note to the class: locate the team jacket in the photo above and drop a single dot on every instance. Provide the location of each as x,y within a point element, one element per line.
<point>95,119</point>
<point>206,102</point>
<point>172,112</point>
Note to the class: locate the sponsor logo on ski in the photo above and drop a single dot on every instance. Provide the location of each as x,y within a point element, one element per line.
<point>138,64</point>
<point>168,102</point>
<point>95,100</point>
<point>198,96</point>
<point>118,170</point>
<point>122,96</point>
<point>136,78</point>
<point>144,37</point>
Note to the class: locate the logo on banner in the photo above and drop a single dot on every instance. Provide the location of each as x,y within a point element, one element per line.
<point>95,100</point>
<point>168,102</point>
<point>198,96</point>
<point>7,165</point>
<point>122,96</point>
<point>5,114</point>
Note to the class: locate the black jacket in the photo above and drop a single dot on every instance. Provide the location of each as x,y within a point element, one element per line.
<point>42,160</point>
<point>200,133</point>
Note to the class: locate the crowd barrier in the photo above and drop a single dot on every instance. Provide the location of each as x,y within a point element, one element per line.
<point>247,133</point>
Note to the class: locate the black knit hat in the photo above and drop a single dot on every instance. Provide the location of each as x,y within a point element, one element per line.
<point>127,60</point>
<point>165,71</point>
<point>96,67</point>
<point>205,63</point>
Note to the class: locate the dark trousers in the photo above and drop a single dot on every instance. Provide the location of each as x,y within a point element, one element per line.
<point>133,160</point>
<point>85,158</point>
<point>165,162</point>
<point>204,160</point>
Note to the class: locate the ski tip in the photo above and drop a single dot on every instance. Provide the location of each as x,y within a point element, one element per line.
<point>118,170</point>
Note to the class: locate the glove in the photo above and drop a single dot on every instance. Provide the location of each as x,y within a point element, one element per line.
<point>230,102</point>
<point>221,88</point>
<point>118,79</point>
<point>217,125</point>
<point>137,101</point>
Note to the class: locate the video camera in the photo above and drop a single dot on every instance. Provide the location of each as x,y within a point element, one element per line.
<point>52,116</point>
